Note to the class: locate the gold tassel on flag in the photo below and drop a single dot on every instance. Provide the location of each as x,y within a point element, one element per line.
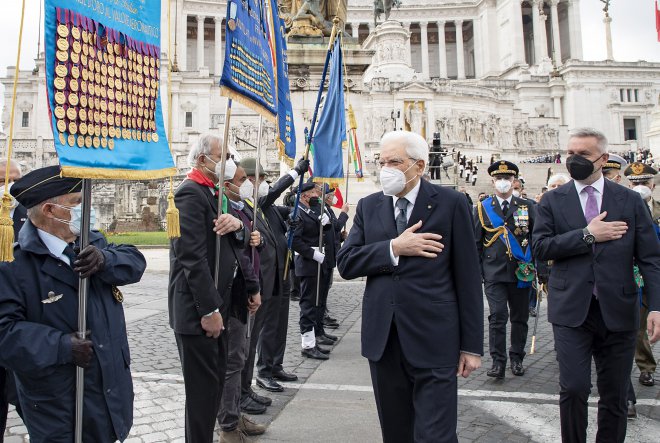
<point>6,222</point>
<point>172,213</point>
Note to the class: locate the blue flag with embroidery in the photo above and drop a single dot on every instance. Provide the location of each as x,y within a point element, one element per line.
<point>103,83</point>
<point>287,133</point>
<point>330,134</point>
<point>248,71</point>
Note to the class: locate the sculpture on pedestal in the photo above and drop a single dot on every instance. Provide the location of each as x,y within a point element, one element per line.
<point>384,7</point>
<point>312,18</point>
<point>415,115</point>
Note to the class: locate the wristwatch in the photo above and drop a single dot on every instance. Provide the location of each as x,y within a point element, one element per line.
<point>588,237</point>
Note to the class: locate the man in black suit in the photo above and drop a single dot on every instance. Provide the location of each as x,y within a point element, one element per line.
<point>503,226</point>
<point>422,314</point>
<point>595,230</point>
<point>196,307</point>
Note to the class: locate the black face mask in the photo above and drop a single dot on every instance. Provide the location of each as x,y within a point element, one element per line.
<point>314,202</point>
<point>579,167</point>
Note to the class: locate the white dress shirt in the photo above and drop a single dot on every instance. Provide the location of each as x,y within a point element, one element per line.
<point>55,245</point>
<point>598,185</point>
<point>501,200</point>
<point>411,196</point>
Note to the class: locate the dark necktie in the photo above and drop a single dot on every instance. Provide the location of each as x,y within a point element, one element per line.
<point>505,206</point>
<point>402,217</point>
<point>69,252</point>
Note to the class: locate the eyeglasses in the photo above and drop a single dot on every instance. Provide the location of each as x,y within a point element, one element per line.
<point>394,162</point>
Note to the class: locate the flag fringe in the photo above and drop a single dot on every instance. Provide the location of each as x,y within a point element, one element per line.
<point>281,147</point>
<point>248,103</point>
<point>117,174</point>
<point>332,181</point>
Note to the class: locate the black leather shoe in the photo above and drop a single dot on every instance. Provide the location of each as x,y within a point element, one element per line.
<point>249,406</point>
<point>323,350</point>
<point>322,340</point>
<point>517,368</point>
<point>632,410</point>
<point>329,319</point>
<point>295,298</point>
<point>284,376</point>
<point>496,371</point>
<point>269,384</point>
<point>646,378</point>
<point>314,353</point>
<point>330,336</point>
<point>266,401</point>
<point>330,325</point>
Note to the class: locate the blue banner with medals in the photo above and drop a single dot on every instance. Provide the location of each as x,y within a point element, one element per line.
<point>286,133</point>
<point>248,71</point>
<point>103,83</point>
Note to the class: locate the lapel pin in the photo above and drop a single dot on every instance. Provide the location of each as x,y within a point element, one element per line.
<point>429,206</point>
<point>52,298</point>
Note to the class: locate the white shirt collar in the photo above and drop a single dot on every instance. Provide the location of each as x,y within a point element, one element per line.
<point>411,196</point>
<point>500,199</point>
<point>54,244</point>
<point>599,185</point>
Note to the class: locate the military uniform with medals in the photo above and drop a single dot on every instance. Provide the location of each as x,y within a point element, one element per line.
<point>507,269</point>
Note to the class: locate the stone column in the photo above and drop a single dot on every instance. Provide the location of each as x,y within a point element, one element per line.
<point>574,26</point>
<point>460,52</point>
<point>219,47</point>
<point>557,110</point>
<point>182,40</point>
<point>200,41</point>
<point>425,48</point>
<point>406,26</point>
<point>536,26</point>
<point>608,36</point>
<point>518,37</point>
<point>556,43</point>
<point>543,37</point>
<point>442,49</point>
<point>480,59</point>
<point>355,30</point>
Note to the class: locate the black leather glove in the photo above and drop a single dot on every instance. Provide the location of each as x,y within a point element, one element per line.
<point>292,222</point>
<point>89,261</point>
<point>302,166</point>
<point>81,351</point>
<point>543,279</point>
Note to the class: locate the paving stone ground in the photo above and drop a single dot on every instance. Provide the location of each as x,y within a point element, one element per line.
<point>518,409</point>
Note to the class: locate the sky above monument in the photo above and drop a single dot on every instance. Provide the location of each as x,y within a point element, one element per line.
<point>633,31</point>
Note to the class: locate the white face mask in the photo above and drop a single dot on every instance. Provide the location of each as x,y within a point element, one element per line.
<point>503,185</point>
<point>230,168</point>
<point>516,193</point>
<point>263,189</point>
<point>644,191</point>
<point>393,180</point>
<point>14,202</point>
<point>76,218</point>
<point>246,190</point>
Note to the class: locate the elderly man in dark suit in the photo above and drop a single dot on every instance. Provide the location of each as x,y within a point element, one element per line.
<point>422,314</point>
<point>197,309</point>
<point>595,231</point>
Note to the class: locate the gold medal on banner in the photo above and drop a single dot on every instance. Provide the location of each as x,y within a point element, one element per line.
<point>111,59</point>
<point>83,87</point>
<point>85,36</point>
<point>75,71</point>
<point>124,121</point>
<point>138,69</point>
<point>110,48</point>
<point>71,113</point>
<point>149,137</point>
<point>104,57</point>
<point>155,137</point>
<point>77,47</point>
<point>73,99</point>
<point>111,108</point>
<point>140,102</point>
<point>85,74</point>
<point>111,119</point>
<point>111,144</point>
<point>97,90</point>
<point>62,139</point>
<point>97,142</point>
<point>96,117</point>
<point>111,94</point>
<point>119,61</point>
<point>111,131</point>
<point>139,58</point>
<point>158,63</point>
<point>117,49</point>
<point>97,130</point>
<point>83,101</point>
<point>62,30</point>
<point>88,141</point>
<point>97,66</point>
<point>104,118</point>
<point>140,112</point>
<point>60,98</point>
<point>74,86</point>
<point>104,106</point>
<point>81,142</point>
<point>85,52</point>
<point>62,56</point>
<point>82,114</point>
<point>82,128</point>
<point>73,128</point>
<point>75,32</point>
<point>104,91</point>
<point>92,51</point>
<point>75,58</point>
<point>61,70</point>
<point>104,143</point>
<point>134,134</point>
<point>111,71</point>
<point>71,140</point>
<point>104,82</point>
<point>104,69</point>
<point>59,83</point>
<point>59,112</point>
<point>90,127</point>
<point>97,103</point>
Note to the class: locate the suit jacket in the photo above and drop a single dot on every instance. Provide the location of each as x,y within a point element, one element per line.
<point>192,293</point>
<point>579,267</point>
<point>19,217</point>
<point>437,304</point>
<point>306,238</point>
<point>495,263</point>
<point>35,342</point>
<point>338,224</point>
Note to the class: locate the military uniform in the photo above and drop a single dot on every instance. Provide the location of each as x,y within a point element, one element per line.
<point>507,278</point>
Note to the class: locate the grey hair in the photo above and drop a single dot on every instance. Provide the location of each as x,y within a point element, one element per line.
<point>601,140</point>
<point>202,147</point>
<point>558,178</point>
<point>17,165</point>
<point>415,145</point>
<point>34,213</point>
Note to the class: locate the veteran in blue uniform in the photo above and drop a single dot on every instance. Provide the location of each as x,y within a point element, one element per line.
<point>39,316</point>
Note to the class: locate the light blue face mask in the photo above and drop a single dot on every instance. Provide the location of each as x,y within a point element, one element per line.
<point>76,218</point>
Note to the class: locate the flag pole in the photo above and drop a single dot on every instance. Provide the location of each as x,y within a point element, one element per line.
<point>221,183</point>
<point>309,143</point>
<point>255,210</point>
<point>83,290</point>
<point>318,271</point>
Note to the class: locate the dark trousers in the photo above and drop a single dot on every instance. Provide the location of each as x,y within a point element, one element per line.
<point>532,297</point>
<point>237,343</point>
<point>257,325</point>
<point>203,363</point>
<point>294,282</point>
<point>613,354</point>
<point>4,403</point>
<point>272,341</point>
<point>643,352</point>
<point>507,300</point>
<point>311,313</point>
<point>414,404</point>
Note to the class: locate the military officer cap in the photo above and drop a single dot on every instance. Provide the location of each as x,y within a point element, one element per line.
<point>250,166</point>
<point>638,172</point>
<point>44,183</point>
<point>503,167</point>
<point>308,186</point>
<point>615,162</point>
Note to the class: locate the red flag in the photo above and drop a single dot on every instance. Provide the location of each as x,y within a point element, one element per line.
<point>340,199</point>
<point>657,19</point>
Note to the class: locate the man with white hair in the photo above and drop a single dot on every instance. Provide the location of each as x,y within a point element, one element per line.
<point>595,230</point>
<point>197,306</point>
<point>557,180</point>
<point>415,244</point>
